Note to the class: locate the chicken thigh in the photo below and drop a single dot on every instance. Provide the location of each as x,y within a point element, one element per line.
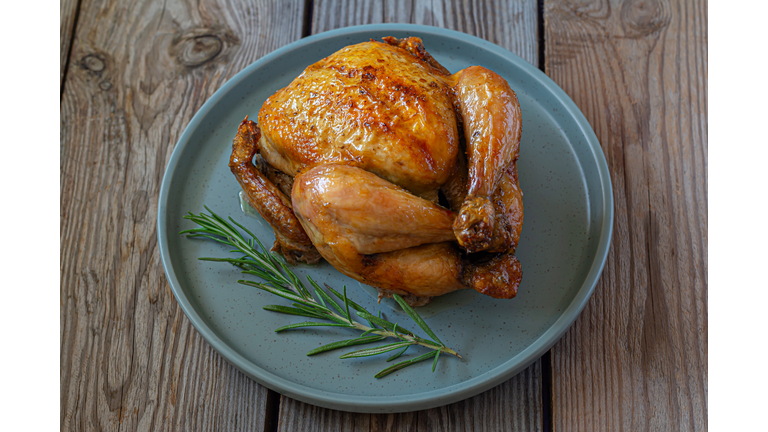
<point>371,136</point>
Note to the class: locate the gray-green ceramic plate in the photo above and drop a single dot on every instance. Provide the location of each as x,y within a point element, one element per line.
<point>568,225</point>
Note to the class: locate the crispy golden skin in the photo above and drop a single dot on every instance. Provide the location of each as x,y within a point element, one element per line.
<point>507,201</point>
<point>372,105</point>
<point>371,133</point>
<point>492,129</point>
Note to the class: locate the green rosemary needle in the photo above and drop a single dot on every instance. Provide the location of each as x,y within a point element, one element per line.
<point>278,279</point>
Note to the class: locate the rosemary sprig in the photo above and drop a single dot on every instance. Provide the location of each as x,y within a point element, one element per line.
<point>279,280</point>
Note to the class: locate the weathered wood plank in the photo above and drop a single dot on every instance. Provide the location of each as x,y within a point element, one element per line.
<point>67,17</point>
<point>510,24</point>
<point>636,359</point>
<point>512,406</point>
<point>515,405</point>
<point>130,360</point>
<point>298,416</point>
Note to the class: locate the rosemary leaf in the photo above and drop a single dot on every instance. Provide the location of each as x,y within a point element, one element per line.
<point>317,313</point>
<point>377,350</point>
<point>398,354</point>
<point>434,363</point>
<point>309,324</point>
<point>208,236</point>
<point>264,275</point>
<point>195,230</point>
<point>320,314</point>
<point>295,280</point>
<point>328,299</point>
<point>320,298</point>
<point>416,318</point>
<point>345,343</point>
<point>281,293</point>
<point>383,323</point>
<point>346,304</point>
<point>402,364</point>
<point>228,260</point>
<point>290,311</point>
<point>242,227</point>
<point>352,304</point>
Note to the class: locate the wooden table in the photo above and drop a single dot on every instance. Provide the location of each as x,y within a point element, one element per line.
<point>134,73</point>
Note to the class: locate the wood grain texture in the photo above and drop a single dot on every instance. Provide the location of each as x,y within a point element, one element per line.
<point>510,24</point>
<point>515,405</point>
<point>636,359</point>
<point>297,416</point>
<point>67,16</point>
<point>512,406</point>
<point>130,360</point>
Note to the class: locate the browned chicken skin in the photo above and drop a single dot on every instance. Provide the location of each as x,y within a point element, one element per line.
<point>372,105</point>
<point>492,129</point>
<point>370,135</point>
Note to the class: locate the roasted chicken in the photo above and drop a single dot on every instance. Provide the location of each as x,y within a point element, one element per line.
<point>399,174</point>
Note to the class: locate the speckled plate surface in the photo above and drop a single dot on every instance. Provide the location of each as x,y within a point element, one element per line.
<point>567,230</point>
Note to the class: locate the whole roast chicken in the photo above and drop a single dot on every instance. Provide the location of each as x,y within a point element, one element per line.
<point>399,174</point>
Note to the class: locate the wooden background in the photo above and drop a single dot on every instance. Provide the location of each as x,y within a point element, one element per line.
<point>133,73</point>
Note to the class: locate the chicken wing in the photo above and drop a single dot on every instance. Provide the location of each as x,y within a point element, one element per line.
<point>290,239</point>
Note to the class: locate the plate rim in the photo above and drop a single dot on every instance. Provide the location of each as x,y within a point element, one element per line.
<point>432,398</point>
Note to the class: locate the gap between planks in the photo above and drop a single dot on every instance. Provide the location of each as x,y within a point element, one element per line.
<point>272,412</point>
<point>69,50</point>
<point>546,360</point>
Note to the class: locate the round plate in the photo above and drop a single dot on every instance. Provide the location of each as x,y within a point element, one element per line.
<point>568,225</point>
